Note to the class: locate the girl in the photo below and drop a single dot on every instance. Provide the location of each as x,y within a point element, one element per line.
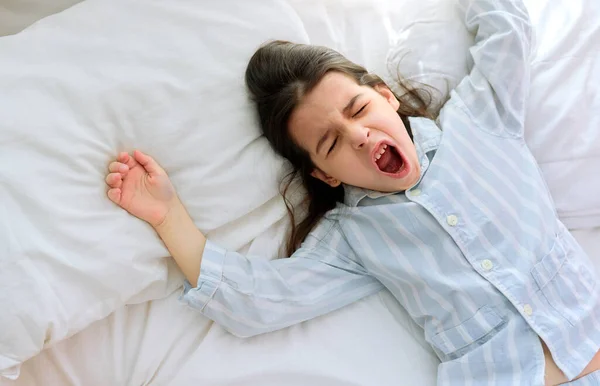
<point>452,216</point>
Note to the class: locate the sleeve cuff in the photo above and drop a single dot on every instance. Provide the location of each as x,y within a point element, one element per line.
<point>209,280</point>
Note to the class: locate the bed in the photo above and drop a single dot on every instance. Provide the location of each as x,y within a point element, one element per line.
<point>87,295</point>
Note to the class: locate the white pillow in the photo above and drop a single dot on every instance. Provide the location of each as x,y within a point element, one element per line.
<point>562,128</point>
<point>563,121</point>
<point>429,42</point>
<point>430,47</point>
<point>112,75</point>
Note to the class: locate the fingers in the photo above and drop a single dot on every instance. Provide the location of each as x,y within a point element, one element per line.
<point>126,159</point>
<point>114,195</point>
<point>147,162</point>
<point>118,171</point>
<point>114,180</point>
<point>118,167</point>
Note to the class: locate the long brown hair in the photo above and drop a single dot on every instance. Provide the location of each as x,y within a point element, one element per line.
<point>278,76</point>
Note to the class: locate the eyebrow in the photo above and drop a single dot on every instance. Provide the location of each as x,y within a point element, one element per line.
<point>346,110</point>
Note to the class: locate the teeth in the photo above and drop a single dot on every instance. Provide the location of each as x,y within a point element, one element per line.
<point>383,149</point>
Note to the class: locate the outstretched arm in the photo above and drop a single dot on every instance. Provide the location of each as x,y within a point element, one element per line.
<point>497,89</point>
<point>254,296</point>
<point>246,296</point>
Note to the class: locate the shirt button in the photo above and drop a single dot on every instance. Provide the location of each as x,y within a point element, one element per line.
<point>487,265</point>
<point>452,220</point>
<point>415,192</point>
<point>527,310</point>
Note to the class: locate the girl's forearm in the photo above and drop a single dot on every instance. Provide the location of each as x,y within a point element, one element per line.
<point>184,241</point>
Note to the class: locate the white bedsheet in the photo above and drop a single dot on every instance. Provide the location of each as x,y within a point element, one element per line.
<point>162,343</point>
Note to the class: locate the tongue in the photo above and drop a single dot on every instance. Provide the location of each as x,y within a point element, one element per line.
<point>390,161</point>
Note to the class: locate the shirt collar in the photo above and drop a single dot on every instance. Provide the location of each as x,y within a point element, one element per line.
<point>426,136</point>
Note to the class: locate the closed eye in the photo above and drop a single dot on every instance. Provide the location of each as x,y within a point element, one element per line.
<point>359,111</point>
<point>332,145</point>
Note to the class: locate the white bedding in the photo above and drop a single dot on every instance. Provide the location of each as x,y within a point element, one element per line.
<point>373,341</point>
<point>162,343</point>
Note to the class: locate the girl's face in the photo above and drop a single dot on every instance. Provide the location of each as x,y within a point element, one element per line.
<point>355,136</point>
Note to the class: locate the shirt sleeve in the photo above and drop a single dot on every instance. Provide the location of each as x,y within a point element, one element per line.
<point>253,296</point>
<point>496,90</point>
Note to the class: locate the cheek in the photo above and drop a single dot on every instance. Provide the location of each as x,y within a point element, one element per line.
<point>389,124</point>
<point>384,116</point>
<point>395,125</point>
<point>349,162</point>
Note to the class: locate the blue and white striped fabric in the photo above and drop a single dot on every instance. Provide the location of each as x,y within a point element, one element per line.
<point>474,251</point>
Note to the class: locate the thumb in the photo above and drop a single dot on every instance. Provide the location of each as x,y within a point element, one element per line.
<point>147,162</point>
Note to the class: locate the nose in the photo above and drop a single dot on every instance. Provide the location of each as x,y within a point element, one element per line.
<point>358,136</point>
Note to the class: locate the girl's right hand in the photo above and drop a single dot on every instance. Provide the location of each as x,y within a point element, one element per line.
<point>140,186</point>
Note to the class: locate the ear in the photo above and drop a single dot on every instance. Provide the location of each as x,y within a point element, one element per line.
<point>326,178</point>
<point>388,95</point>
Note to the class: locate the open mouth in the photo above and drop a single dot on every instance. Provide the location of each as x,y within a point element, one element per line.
<point>389,160</point>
